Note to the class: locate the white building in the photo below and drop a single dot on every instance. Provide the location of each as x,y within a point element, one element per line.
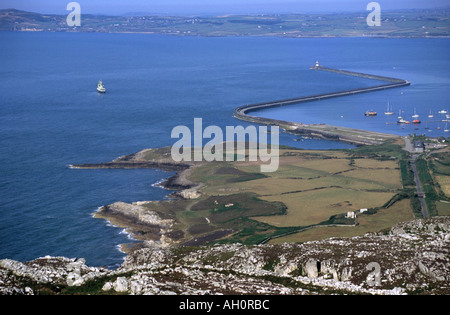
<point>351,215</point>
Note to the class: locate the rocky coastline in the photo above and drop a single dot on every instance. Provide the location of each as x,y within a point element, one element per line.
<point>412,258</point>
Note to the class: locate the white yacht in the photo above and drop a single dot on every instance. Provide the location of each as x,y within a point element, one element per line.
<point>389,110</point>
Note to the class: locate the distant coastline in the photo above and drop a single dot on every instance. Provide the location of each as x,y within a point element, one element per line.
<point>394,24</point>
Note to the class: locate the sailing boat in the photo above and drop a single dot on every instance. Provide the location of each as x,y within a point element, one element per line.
<point>388,111</point>
<point>400,114</point>
<point>100,87</point>
<point>446,127</point>
<point>415,114</point>
<point>430,115</point>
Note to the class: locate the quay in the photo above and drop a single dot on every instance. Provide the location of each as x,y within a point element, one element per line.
<point>355,136</point>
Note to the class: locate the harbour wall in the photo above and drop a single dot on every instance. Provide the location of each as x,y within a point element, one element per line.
<point>242,112</point>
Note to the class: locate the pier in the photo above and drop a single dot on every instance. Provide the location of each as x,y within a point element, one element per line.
<point>324,131</point>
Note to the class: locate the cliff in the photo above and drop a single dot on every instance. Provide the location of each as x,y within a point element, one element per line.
<point>411,258</point>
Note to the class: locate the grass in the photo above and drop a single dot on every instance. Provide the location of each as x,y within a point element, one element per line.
<point>384,152</point>
<point>440,169</point>
<point>383,219</point>
<point>240,204</point>
<point>388,178</point>
<point>313,207</point>
<point>428,186</point>
<point>309,188</point>
<point>407,174</point>
<point>443,208</point>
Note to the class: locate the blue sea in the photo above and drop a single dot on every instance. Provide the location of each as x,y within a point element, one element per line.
<point>51,115</point>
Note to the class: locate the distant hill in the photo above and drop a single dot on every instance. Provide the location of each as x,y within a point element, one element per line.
<point>404,23</point>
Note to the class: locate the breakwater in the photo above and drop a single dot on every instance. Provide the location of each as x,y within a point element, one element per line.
<point>324,131</point>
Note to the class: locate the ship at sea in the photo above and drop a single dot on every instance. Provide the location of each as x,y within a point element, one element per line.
<point>100,87</point>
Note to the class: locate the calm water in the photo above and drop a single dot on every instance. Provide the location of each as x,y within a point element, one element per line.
<point>51,116</point>
<point>424,62</point>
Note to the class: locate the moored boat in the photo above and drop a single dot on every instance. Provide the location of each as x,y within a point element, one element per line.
<point>370,113</point>
<point>389,110</point>
<point>403,121</point>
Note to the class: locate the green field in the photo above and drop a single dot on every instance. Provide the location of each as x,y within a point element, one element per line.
<point>238,203</point>
<point>307,198</point>
<point>379,221</point>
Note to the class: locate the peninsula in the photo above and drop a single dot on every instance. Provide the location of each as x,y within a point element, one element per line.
<point>394,24</point>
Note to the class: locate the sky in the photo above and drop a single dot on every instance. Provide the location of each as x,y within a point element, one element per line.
<point>198,7</point>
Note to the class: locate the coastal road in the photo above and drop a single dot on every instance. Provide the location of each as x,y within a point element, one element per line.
<point>419,188</point>
<point>409,147</point>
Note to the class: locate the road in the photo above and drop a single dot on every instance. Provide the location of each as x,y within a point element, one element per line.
<point>420,195</point>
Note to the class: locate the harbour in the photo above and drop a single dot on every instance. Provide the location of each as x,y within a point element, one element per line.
<point>350,135</point>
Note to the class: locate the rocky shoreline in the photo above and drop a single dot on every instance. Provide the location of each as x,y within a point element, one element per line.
<point>140,218</point>
<point>412,258</point>
<point>178,181</point>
